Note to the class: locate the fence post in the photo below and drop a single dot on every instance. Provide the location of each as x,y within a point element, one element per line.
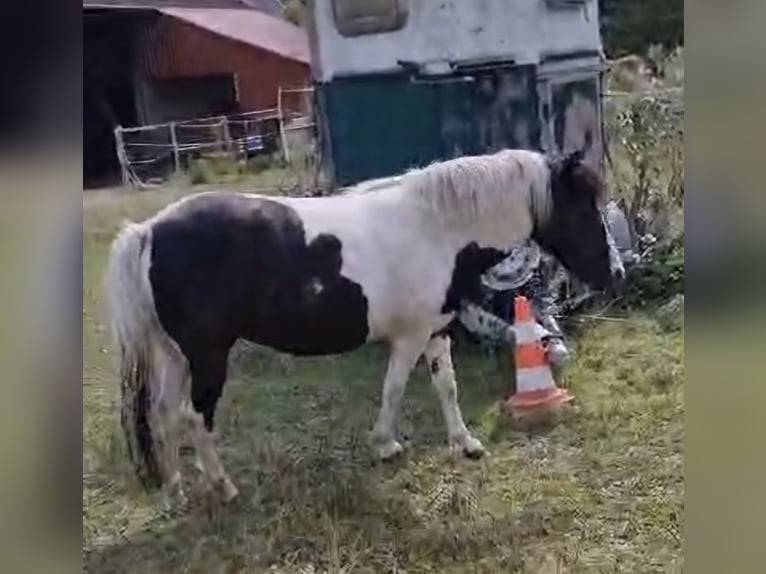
<point>227,136</point>
<point>176,151</point>
<point>121,157</point>
<point>283,137</point>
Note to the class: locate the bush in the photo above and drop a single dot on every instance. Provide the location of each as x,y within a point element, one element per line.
<point>260,163</point>
<point>646,168</point>
<point>295,11</point>
<point>632,26</point>
<point>225,168</point>
<point>645,143</point>
<point>659,277</point>
<point>214,169</point>
<point>200,171</point>
<point>648,150</point>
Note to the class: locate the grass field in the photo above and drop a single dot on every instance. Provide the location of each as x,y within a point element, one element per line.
<point>599,491</point>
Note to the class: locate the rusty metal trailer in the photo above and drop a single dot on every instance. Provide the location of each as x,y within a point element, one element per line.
<point>401,83</point>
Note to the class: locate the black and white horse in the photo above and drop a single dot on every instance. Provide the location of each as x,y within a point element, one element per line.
<point>387,261</point>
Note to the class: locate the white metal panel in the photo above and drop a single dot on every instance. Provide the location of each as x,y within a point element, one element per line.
<point>439,31</point>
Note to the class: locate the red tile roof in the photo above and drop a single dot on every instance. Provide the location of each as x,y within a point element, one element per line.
<point>269,6</point>
<point>250,27</point>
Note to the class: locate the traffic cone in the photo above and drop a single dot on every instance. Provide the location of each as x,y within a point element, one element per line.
<point>536,391</point>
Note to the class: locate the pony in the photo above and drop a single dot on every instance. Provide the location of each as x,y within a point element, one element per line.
<point>388,262</point>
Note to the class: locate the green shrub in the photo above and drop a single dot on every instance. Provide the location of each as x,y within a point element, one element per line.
<point>647,151</point>
<point>659,276</point>
<point>200,171</point>
<point>218,168</point>
<point>261,163</point>
<point>632,26</point>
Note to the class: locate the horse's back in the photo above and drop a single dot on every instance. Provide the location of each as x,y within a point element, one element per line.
<point>229,265</point>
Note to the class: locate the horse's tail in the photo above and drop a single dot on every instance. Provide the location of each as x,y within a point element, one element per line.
<point>135,328</point>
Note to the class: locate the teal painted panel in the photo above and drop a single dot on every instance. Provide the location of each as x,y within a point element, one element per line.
<point>375,126</point>
<point>378,126</point>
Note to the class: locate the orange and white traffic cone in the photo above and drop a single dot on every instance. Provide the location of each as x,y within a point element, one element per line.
<point>536,391</point>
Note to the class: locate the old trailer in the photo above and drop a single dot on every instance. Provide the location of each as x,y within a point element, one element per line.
<point>402,83</point>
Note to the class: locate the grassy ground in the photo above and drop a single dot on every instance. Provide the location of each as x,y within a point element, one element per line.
<point>600,491</point>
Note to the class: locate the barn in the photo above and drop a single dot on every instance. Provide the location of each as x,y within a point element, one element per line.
<point>154,61</point>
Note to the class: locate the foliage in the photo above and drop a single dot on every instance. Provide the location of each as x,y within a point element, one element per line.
<point>659,68</point>
<point>667,65</point>
<point>645,167</point>
<point>659,277</point>
<point>632,26</point>
<point>270,170</point>
<point>261,163</point>
<point>295,11</point>
<point>646,157</point>
<point>214,169</point>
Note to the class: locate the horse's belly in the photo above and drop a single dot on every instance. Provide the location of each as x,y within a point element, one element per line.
<point>319,320</point>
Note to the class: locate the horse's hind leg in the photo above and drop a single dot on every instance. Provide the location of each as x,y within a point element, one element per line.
<point>442,373</point>
<point>172,372</point>
<point>208,375</point>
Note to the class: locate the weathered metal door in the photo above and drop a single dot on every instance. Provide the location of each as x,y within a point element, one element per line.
<point>491,109</point>
<point>375,126</point>
<point>571,114</point>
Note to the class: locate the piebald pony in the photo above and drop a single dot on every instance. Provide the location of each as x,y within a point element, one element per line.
<point>389,260</point>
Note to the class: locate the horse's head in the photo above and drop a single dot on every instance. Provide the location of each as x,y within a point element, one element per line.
<point>575,231</point>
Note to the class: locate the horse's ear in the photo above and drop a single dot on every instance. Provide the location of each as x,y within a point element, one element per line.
<point>574,159</point>
<point>563,164</point>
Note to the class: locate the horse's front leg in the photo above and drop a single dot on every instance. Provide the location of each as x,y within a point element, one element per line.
<point>405,353</point>
<point>439,357</point>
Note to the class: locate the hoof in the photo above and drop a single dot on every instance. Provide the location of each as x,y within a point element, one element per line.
<point>227,491</point>
<point>174,498</point>
<point>468,446</point>
<point>389,451</point>
<point>474,454</point>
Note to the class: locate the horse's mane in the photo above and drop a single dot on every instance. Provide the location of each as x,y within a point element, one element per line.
<point>371,186</point>
<point>465,189</point>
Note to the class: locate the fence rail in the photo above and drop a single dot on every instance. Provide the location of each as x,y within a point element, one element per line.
<point>150,154</point>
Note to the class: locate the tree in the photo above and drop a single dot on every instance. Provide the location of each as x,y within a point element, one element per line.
<point>632,26</point>
<point>295,11</point>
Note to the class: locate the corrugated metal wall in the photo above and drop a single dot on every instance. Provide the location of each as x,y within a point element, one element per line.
<point>170,48</point>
